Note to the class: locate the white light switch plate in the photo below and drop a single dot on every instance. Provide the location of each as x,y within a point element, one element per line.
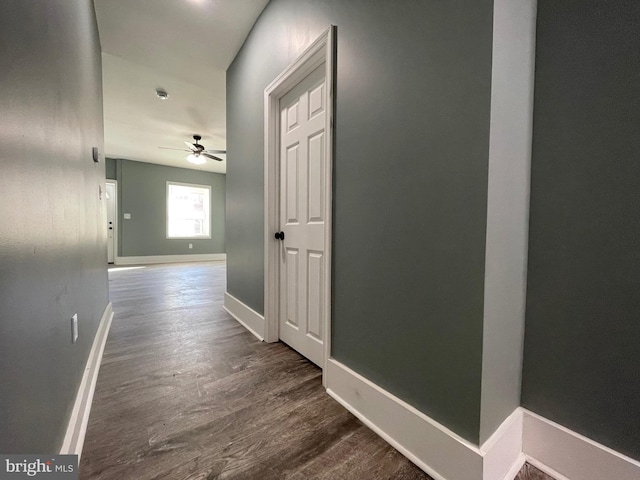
<point>127,216</point>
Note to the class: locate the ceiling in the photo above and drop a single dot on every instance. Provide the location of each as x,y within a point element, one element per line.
<point>182,46</point>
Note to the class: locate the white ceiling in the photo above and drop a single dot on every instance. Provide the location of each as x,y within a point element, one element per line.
<point>182,46</point>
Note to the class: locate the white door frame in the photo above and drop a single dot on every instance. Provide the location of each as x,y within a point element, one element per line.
<point>320,51</point>
<point>115,219</point>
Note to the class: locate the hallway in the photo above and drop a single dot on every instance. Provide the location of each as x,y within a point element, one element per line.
<point>185,392</point>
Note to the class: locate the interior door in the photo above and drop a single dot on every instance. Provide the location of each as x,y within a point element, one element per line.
<point>302,216</point>
<point>111,220</point>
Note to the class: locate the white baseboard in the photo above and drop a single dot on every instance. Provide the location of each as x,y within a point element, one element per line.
<point>502,452</point>
<point>524,435</point>
<point>431,446</point>
<point>516,467</point>
<point>151,259</point>
<point>245,315</point>
<point>77,428</point>
<point>567,455</point>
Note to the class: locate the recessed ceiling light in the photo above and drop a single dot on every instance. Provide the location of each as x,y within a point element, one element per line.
<point>162,93</point>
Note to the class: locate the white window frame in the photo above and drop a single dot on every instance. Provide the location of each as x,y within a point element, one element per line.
<point>191,237</point>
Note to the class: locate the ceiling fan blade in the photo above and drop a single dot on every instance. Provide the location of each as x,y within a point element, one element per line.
<point>191,146</point>
<point>216,151</point>
<point>208,155</point>
<point>179,149</point>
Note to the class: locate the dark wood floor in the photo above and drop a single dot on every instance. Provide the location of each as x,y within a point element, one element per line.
<point>529,472</point>
<point>187,393</point>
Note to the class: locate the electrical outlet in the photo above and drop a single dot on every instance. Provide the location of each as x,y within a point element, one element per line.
<point>191,245</point>
<point>127,216</point>
<point>74,328</point>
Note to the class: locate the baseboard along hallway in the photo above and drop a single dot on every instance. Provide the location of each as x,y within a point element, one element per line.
<point>186,392</point>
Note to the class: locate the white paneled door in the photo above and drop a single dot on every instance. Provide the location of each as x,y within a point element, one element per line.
<point>302,216</point>
<point>111,220</point>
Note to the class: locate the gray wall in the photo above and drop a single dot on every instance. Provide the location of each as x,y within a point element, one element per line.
<point>110,169</point>
<point>52,238</point>
<point>411,156</point>
<point>582,333</point>
<point>142,192</point>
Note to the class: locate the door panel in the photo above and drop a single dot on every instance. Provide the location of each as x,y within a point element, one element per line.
<point>302,215</point>
<point>315,266</point>
<point>316,101</point>
<point>291,185</point>
<point>315,191</point>
<point>292,286</point>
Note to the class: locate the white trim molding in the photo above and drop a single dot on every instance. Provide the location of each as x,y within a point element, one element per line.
<point>434,448</point>
<point>440,452</point>
<point>77,427</point>
<point>321,51</point>
<point>245,315</point>
<point>502,452</point>
<point>567,455</point>
<point>153,259</point>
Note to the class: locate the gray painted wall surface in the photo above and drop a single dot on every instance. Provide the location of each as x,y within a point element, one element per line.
<point>582,337</point>
<point>411,156</point>
<point>110,168</point>
<point>52,240</point>
<point>507,210</point>
<point>142,192</point>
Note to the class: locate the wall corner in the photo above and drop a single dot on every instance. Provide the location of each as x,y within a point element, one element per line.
<point>508,185</point>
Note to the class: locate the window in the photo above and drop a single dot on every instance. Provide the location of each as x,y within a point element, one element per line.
<point>188,210</point>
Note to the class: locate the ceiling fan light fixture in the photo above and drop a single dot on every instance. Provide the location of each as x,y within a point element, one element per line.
<point>198,154</point>
<point>196,159</point>
<point>162,93</point>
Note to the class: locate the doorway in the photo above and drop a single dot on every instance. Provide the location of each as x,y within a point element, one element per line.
<point>298,202</point>
<point>112,213</point>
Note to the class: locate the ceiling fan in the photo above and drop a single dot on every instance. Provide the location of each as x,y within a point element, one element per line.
<point>197,152</point>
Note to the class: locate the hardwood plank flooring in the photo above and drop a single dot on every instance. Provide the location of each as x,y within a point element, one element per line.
<point>186,393</point>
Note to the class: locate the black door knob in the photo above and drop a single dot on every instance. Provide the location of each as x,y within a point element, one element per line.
<point>279,235</point>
